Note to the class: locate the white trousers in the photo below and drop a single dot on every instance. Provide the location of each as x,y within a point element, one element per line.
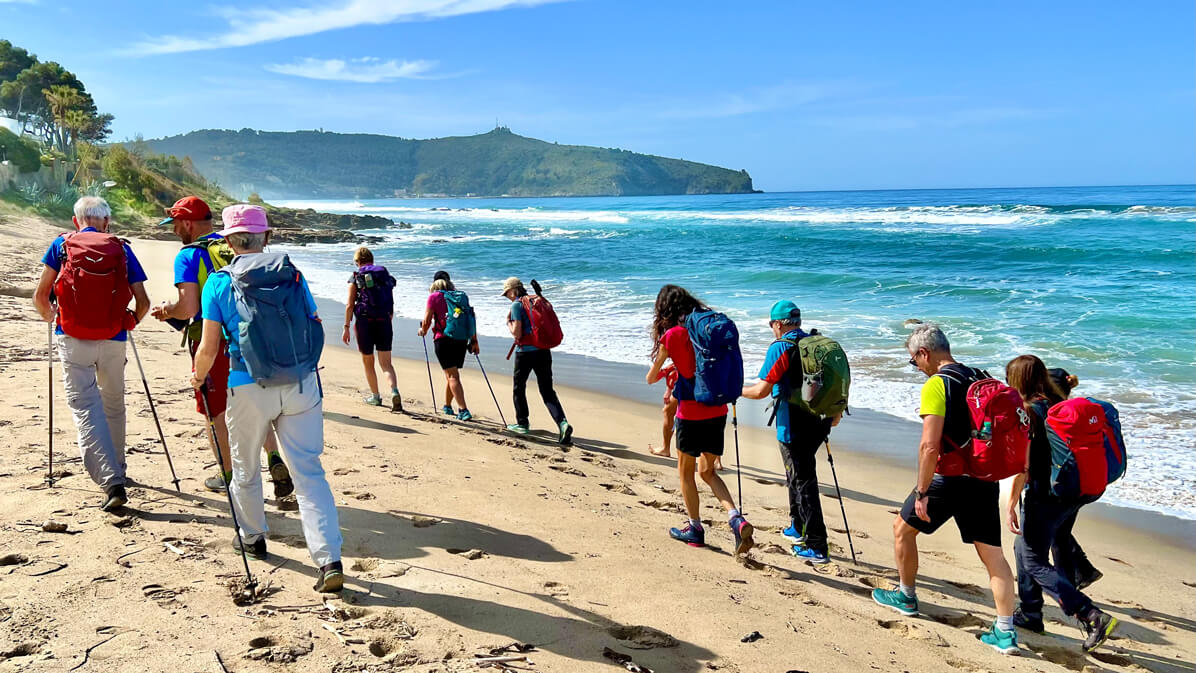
<point>299,420</point>
<point>93,376</point>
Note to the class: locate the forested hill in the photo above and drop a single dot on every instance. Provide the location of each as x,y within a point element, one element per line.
<point>315,164</point>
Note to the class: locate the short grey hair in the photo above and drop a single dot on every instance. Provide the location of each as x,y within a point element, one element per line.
<point>92,206</point>
<point>928,336</point>
<point>790,322</point>
<point>246,241</point>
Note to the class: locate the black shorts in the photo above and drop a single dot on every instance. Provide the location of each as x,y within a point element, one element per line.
<point>974,504</point>
<point>450,352</point>
<point>373,334</point>
<point>697,437</point>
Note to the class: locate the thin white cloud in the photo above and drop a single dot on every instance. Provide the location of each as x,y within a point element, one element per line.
<point>366,70</point>
<point>18,2</point>
<point>780,96</point>
<point>258,25</point>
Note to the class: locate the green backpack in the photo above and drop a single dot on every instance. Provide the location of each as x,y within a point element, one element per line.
<point>825,376</point>
<point>219,255</point>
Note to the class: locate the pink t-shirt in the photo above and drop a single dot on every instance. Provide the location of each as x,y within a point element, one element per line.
<point>681,352</point>
<point>439,308</point>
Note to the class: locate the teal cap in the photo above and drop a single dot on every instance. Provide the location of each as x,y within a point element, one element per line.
<point>784,310</point>
<point>163,223</point>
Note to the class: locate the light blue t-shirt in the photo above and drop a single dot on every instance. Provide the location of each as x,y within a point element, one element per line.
<point>776,365</point>
<point>218,304</point>
<point>187,263</point>
<point>57,251</point>
<point>518,314</point>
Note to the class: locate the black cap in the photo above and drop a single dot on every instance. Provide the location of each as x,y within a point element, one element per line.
<point>441,275</point>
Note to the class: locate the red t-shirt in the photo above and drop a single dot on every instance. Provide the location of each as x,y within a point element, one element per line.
<point>681,352</point>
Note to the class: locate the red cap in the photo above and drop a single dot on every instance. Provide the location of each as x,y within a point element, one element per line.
<point>190,208</point>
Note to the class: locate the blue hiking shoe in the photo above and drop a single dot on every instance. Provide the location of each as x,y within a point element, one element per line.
<point>793,535</point>
<point>694,537</point>
<point>896,599</point>
<point>518,428</point>
<point>465,415</point>
<point>1004,642</point>
<point>447,410</point>
<point>803,552</point>
<point>743,534</point>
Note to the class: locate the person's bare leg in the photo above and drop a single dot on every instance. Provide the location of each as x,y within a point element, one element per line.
<point>371,376</point>
<point>454,382</point>
<point>689,487</point>
<point>710,476</point>
<point>905,549</point>
<point>222,435</point>
<point>448,391</point>
<point>1000,577</point>
<point>669,411</point>
<point>388,368</point>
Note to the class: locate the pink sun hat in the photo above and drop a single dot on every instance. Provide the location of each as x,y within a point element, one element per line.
<point>244,218</point>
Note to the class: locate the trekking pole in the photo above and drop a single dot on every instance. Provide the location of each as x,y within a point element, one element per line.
<point>428,362</point>
<point>154,411</point>
<point>504,418</point>
<point>251,584</point>
<point>839,493</point>
<point>738,475</point>
<point>50,388</point>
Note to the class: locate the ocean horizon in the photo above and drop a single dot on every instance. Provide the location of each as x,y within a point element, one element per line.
<point>1098,280</point>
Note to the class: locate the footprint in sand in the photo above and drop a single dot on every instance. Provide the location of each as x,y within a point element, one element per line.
<point>424,521</point>
<point>469,554</point>
<point>364,565</point>
<point>876,582</point>
<point>13,560</point>
<point>556,589</point>
<point>1071,659</point>
<point>642,637</point>
<point>913,631</point>
<point>342,471</point>
<point>663,506</point>
<point>967,587</point>
<point>160,594</point>
<point>567,470</point>
<point>618,488</point>
<point>962,620</point>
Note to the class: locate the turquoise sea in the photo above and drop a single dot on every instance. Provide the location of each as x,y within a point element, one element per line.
<point>1099,280</point>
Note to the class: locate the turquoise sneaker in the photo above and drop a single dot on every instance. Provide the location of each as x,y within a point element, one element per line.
<point>465,415</point>
<point>373,400</point>
<point>1004,642</point>
<point>518,429</point>
<point>896,599</point>
<point>447,410</point>
<point>566,433</point>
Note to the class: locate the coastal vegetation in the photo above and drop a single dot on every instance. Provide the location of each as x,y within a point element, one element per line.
<point>319,164</point>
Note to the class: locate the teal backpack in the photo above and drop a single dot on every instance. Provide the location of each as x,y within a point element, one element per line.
<point>819,377</point>
<point>459,320</point>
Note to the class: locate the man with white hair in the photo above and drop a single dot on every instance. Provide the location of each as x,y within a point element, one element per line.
<point>945,491</point>
<point>88,278</point>
<point>261,304</point>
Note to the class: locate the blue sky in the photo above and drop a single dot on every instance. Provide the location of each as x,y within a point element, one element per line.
<point>803,95</point>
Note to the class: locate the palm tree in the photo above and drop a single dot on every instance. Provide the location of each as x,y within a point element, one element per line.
<point>62,99</point>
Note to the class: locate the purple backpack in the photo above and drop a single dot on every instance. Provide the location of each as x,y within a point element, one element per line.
<point>375,292</point>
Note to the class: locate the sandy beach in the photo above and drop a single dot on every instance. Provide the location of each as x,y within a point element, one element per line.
<point>460,542</point>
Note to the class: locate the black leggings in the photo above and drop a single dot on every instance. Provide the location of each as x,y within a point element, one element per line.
<point>539,362</point>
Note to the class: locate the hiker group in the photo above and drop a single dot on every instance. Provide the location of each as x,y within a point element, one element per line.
<point>255,337</point>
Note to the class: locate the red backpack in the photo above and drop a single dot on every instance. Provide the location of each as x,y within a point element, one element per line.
<point>92,288</point>
<point>1087,449</point>
<point>546,328</point>
<point>1000,434</point>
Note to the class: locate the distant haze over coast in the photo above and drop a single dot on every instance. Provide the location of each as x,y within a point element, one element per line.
<point>316,164</point>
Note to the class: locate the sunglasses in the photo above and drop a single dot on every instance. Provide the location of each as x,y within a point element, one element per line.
<point>913,361</point>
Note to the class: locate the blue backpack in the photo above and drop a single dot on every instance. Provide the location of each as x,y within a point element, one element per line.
<point>459,321</point>
<point>279,340</point>
<point>718,371</point>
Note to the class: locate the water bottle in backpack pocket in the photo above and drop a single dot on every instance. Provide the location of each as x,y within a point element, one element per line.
<point>718,364</point>
<point>1087,448</point>
<point>280,342</point>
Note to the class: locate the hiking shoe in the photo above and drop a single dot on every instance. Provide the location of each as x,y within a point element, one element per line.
<point>215,483</point>
<point>255,551</point>
<point>566,433</point>
<point>813,556</point>
<point>793,535</point>
<point>1030,623</point>
<point>1098,626</point>
<point>116,499</point>
<point>465,415</point>
<point>373,400</point>
<point>896,599</point>
<point>1004,642</point>
<point>1082,581</point>
<point>519,429</point>
<point>694,537</point>
<point>281,476</point>
<point>331,578</point>
<point>447,410</point>
<point>396,402</point>
<point>743,534</point>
